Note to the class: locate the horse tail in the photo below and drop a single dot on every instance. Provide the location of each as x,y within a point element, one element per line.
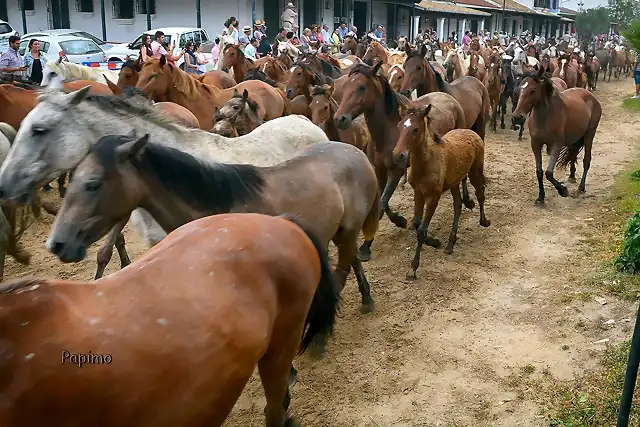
<point>569,153</point>
<point>318,326</point>
<point>370,224</point>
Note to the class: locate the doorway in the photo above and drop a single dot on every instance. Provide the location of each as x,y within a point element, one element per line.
<point>59,11</point>
<point>309,13</point>
<point>360,17</point>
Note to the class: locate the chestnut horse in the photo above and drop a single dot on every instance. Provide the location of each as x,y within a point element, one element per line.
<point>468,91</point>
<point>323,107</point>
<point>592,68</point>
<point>438,164</point>
<point>565,121</point>
<point>234,57</point>
<point>495,87</point>
<point>129,76</point>
<point>144,174</point>
<point>280,298</point>
<point>476,68</point>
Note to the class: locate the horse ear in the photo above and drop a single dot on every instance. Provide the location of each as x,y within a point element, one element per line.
<point>424,112</point>
<point>424,50</point>
<point>114,88</point>
<point>540,72</point>
<point>245,94</point>
<point>76,97</point>
<point>407,48</point>
<point>376,67</point>
<point>328,89</point>
<point>131,149</point>
<point>236,93</point>
<point>163,61</point>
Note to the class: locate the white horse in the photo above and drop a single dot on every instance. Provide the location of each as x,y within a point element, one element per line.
<point>292,51</point>
<point>520,58</point>
<point>69,70</point>
<point>74,121</point>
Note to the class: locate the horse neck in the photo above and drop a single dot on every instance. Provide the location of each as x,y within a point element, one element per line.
<point>329,126</point>
<point>239,70</point>
<point>425,154</point>
<point>457,66</point>
<point>202,107</point>
<point>430,84</point>
<point>382,127</point>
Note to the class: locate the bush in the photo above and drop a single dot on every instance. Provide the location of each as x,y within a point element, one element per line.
<point>632,34</point>
<point>628,260</point>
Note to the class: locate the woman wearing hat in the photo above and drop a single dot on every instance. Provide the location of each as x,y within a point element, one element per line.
<point>257,30</point>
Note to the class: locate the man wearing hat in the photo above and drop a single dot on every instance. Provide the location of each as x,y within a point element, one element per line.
<point>289,17</point>
<point>245,37</point>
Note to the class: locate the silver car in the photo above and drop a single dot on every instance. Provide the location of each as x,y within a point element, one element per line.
<point>70,32</point>
<point>76,49</point>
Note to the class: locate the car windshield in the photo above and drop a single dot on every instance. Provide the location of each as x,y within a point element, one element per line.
<point>5,28</point>
<point>79,47</point>
<point>87,36</point>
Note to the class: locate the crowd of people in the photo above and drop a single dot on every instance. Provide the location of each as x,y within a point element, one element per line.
<point>27,67</point>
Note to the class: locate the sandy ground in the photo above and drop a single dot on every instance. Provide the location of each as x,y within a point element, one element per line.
<point>440,351</point>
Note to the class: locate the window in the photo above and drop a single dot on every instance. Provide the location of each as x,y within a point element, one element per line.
<point>543,4</point>
<point>24,44</point>
<point>141,7</point>
<point>28,4</point>
<point>84,6</point>
<point>203,37</point>
<point>87,36</point>
<point>4,15</point>
<point>5,28</point>
<point>123,9</point>
<point>79,47</point>
<point>184,38</point>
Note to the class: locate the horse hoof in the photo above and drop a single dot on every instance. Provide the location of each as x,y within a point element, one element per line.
<point>519,138</point>
<point>469,204</point>
<point>582,189</point>
<point>411,275</point>
<point>433,242</point>
<point>367,307</point>
<point>400,221</point>
<point>364,254</point>
<point>485,222</point>
<point>449,249</point>
<point>572,179</point>
<point>502,126</point>
<point>23,257</point>
<point>292,422</point>
<point>563,191</point>
<point>539,202</point>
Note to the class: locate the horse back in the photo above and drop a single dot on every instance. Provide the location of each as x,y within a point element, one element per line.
<point>582,109</point>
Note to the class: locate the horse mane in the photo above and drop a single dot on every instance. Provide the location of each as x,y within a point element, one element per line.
<point>256,74</point>
<point>327,68</point>
<point>318,77</point>
<point>131,91</point>
<point>124,106</point>
<point>131,64</point>
<point>74,70</point>
<point>19,284</point>
<point>213,187</point>
<point>393,101</point>
<point>182,81</point>
<point>439,82</point>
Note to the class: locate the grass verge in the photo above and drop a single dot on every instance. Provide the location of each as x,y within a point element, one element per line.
<point>593,399</point>
<point>631,103</point>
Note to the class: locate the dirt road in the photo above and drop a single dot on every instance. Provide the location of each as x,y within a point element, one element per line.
<point>443,351</point>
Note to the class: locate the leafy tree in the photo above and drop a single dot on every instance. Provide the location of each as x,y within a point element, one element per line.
<point>624,11</point>
<point>593,21</point>
<point>632,34</point>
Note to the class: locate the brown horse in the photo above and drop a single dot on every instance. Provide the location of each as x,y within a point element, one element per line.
<point>277,69</point>
<point>237,117</point>
<point>495,86</point>
<point>323,107</point>
<point>615,63</point>
<point>128,75</point>
<point>349,46</point>
<point>438,164</point>
<point>298,105</point>
<point>302,77</point>
<point>216,78</point>
<point>234,57</point>
<point>145,175</point>
<point>548,64</point>
<point>567,71</point>
<point>396,75</point>
<point>468,91</point>
<point>484,52</point>
<point>280,298</point>
<point>582,80</point>
<point>178,113</point>
<point>592,68</point>
<point>565,121</point>
<point>319,64</point>
<point>476,69</point>
<point>367,92</point>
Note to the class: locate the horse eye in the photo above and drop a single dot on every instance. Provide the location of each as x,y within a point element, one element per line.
<point>38,131</point>
<point>326,107</point>
<point>415,130</point>
<point>362,88</point>
<point>419,67</point>
<point>93,185</point>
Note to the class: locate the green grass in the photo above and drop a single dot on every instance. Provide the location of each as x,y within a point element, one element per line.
<point>593,399</point>
<point>632,104</point>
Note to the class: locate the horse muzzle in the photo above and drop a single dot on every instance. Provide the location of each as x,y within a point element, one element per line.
<point>401,158</point>
<point>343,122</point>
<point>406,92</point>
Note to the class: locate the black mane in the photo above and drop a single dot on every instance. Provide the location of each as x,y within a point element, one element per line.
<point>130,63</point>
<point>256,74</point>
<point>318,77</point>
<point>414,54</point>
<point>392,100</point>
<point>212,187</point>
<point>438,77</point>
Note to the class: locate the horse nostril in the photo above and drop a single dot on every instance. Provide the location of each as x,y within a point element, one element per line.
<point>400,157</point>
<point>57,248</point>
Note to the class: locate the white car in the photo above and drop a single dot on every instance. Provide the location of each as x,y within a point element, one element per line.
<point>6,31</point>
<point>171,34</point>
<point>76,49</point>
<point>105,46</point>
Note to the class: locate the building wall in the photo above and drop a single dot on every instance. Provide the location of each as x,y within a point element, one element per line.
<point>380,14</point>
<point>169,13</point>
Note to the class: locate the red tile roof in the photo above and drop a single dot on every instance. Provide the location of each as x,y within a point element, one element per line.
<point>567,11</point>
<point>478,3</point>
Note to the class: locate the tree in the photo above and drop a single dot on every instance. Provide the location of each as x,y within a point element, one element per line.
<point>624,11</point>
<point>593,21</point>
<point>632,34</point>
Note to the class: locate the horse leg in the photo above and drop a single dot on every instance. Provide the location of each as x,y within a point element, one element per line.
<point>114,238</point>
<point>61,188</point>
<point>521,129</point>
<point>537,153</point>
<point>423,234</point>
<point>503,108</point>
<point>273,369</point>
<point>494,116</point>
<point>5,232</point>
<point>551,165</point>
<point>363,286</point>
<point>468,203</point>
<point>457,210</point>
<point>586,163</point>
<point>393,178</point>
<point>478,180</point>
<point>404,177</point>
<point>572,171</point>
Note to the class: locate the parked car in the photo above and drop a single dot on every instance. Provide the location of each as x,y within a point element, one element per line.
<point>6,31</point>
<point>76,49</point>
<point>171,34</point>
<point>105,46</point>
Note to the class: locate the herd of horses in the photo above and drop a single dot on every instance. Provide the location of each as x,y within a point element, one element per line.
<point>216,172</point>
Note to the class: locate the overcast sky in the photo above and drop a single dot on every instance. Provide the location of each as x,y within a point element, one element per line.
<point>588,4</point>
